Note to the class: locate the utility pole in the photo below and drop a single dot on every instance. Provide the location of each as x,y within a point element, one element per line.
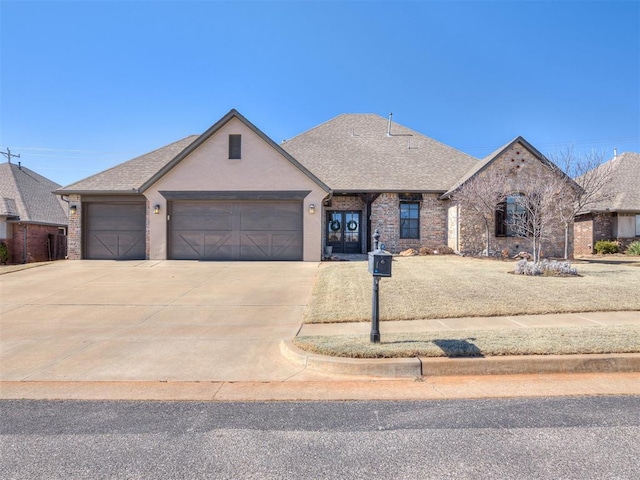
<point>8,154</point>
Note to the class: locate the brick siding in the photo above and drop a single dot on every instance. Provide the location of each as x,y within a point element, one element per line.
<point>36,238</point>
<point>583,235</point>
<point>74,241</point>
<point>522,168</point>
<point>385,216</point>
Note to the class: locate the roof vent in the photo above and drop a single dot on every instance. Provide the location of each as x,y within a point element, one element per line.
<point>615,153</point>
<point>389,134</point>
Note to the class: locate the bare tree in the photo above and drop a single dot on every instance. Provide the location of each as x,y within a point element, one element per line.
<point>592,177</point>
<point>535,212</point>
<point>480,196</point>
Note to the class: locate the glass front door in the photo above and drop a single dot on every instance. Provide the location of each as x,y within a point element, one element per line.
<point>343,231</point>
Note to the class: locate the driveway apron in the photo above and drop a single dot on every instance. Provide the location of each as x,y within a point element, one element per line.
<point>152,320</point>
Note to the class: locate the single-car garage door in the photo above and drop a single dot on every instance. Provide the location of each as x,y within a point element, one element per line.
<point>114,231</point>
<point>236,230</point>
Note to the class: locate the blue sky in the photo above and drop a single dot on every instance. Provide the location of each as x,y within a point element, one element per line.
<point>86,85</point>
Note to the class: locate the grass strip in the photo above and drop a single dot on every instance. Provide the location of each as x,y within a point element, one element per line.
<point>479,343</point>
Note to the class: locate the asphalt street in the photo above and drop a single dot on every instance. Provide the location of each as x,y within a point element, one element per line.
<point>568,437</point>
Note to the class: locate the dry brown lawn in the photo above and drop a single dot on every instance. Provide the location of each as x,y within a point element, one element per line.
<point>449,286</point>
<point>469,343</point>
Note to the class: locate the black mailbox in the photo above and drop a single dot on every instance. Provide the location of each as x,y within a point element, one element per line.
<point>380,263</point>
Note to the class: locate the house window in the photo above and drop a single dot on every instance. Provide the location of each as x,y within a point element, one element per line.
<point>409,220</point>
<point>510,217</point>
<point>235,146</point>
<point>638,225</point>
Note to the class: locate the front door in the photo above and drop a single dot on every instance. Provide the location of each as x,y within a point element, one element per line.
<point>343,231</point>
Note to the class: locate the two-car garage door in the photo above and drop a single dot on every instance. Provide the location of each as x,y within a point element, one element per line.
<point>235,230</point>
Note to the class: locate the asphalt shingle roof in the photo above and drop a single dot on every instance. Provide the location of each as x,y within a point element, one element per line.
<point>352,152</point>
<point>28,196</point>
<point>130,176</point>
<point>625,183</point>
<point>486,161</point>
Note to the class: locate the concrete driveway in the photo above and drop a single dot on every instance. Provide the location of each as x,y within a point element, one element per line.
<point>152,320</point>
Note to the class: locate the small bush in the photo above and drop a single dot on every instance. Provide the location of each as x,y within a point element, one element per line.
<point>633,249</point>
<point>425,251</point>
<point>605,247</point>
<point>546,268</point>
<point>4,253</point>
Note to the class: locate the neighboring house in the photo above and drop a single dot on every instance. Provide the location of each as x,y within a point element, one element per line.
<point>617,218</point>
<point>233,194</point>
<point>33,221</point>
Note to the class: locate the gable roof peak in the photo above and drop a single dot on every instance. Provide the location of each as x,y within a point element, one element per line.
<point>29,196</point>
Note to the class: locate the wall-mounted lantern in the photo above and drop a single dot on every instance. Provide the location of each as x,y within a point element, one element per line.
<point>73,209</point>
<point>156,209</point>
<point>312,208</point>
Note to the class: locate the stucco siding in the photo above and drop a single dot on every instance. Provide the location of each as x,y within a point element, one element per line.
<point>260,168</point>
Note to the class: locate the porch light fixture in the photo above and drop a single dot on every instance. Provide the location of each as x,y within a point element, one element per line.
<point>312,208</point>
<point>73,209</point>
<point>156,209</point>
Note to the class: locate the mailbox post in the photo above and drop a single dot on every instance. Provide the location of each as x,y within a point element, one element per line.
<point>379,266</point>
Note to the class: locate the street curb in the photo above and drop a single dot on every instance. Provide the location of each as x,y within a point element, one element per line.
<point>375,367</point>
<point>415,367</point>
<point>527,364</point>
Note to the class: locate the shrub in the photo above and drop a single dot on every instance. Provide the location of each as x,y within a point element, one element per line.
<point>4,253</point>
<point>546,268</point>
<point>523,267</point>
<point>425,251</point>
<point>605,247</point>
<point>633,249</point>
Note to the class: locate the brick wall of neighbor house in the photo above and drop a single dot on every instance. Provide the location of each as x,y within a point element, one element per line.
<point>74,240</point>
<point>34,238</point>
<point>583,235</point>
<point>603,227</point>
<point>592,228</point>
<point>385,216</point>
<point>521,168</point>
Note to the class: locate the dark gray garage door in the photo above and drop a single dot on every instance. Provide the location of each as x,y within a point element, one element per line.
<point>114,231</point>
<point>235,230</point>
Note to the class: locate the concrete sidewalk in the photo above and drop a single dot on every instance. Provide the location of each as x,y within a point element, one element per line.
<point>529,364</point>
